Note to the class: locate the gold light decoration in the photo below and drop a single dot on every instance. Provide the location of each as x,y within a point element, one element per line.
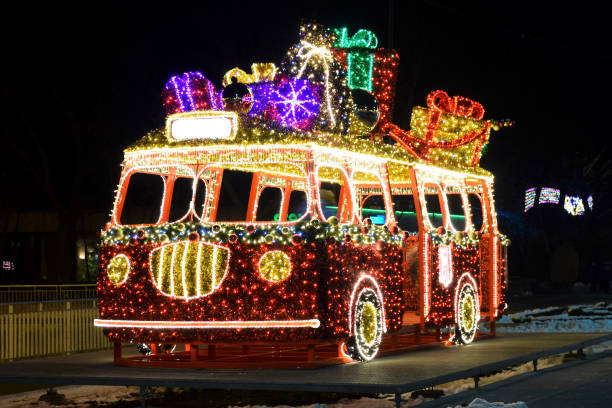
<point>262,71</point>
<point>275,266</point>
<point>188,269</point>
<point>368,323</point>
<point>118,269</point>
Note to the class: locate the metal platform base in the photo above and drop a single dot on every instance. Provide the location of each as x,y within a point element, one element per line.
<point>277,355</point>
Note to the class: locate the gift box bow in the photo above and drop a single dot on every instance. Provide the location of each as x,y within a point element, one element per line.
<point>361,39</point>
<point>457,105</point>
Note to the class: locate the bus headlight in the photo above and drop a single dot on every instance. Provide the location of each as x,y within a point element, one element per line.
<point>118,269</point>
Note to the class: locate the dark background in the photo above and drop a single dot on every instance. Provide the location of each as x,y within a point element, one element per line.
<point>83,82</point>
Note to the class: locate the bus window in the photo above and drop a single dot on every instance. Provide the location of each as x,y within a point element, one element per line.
<point>234,195</point>
<point>330,194</point>
<point>143,200</point>
<point>269,204</point>
<point>476,210</point>
<point>405,213</point>
<point>297,205</point>
<point>200,197</point>
<point>374,208</point>
<point>235,203</point>
<point>456,211</point>
<point>181,198</point>
<point>433,207</point>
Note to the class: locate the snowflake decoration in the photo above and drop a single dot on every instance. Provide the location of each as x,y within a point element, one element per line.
<point>296,103</point>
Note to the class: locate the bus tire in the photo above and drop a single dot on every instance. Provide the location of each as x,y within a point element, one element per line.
<point>467,313</point>
<point>367,326</point>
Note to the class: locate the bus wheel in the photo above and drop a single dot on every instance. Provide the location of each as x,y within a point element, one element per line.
<point>467,314</point>
<point>367,326</point>
<point>147,350</point>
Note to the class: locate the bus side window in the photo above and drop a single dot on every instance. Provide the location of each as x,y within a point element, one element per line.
<point>181,198</point>
<point>333,198</point>
<point>143,200</point>
<point>476,210</point>
<point>297,206</point>
<point>373,207</point>
<point>200,197</point>
<point>269,203</point>
<point>329,194</point>
<point>433,206</point>
<point>456,211</point>
<point>234,195</point>
<point>405,213</point>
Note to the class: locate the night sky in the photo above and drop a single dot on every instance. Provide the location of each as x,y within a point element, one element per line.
<point>83,83</point>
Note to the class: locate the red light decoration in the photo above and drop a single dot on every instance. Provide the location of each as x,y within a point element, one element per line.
<point>384,80</point>
<point>246,296</point>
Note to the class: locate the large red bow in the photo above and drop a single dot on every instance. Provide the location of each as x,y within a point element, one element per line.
<point>457,105</point>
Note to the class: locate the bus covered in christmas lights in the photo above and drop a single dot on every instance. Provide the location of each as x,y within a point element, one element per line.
<point>288,208</point>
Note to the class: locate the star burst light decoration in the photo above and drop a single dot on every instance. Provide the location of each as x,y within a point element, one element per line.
<point>296,103</point>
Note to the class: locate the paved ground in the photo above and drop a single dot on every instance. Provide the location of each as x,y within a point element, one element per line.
<point>543,300</point>
<point>379,375</point>
<point>586,383</point>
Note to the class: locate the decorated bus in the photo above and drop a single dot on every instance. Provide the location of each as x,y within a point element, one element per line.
<point>287,208</point>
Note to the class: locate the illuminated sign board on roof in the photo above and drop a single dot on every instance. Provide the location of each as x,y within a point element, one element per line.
<point>202,125</point>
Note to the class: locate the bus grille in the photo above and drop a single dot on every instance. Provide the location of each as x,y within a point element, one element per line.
<point>188,269</point>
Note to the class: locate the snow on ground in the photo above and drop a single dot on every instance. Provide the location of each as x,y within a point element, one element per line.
<point>595,318</point>
<point>480,403</point>
<point>375,403</point>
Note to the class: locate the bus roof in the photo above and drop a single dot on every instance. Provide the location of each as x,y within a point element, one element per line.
<point>255,142</point>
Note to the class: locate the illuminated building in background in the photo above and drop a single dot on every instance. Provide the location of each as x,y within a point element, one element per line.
<point>530,195</point>
<point>549,195</point>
